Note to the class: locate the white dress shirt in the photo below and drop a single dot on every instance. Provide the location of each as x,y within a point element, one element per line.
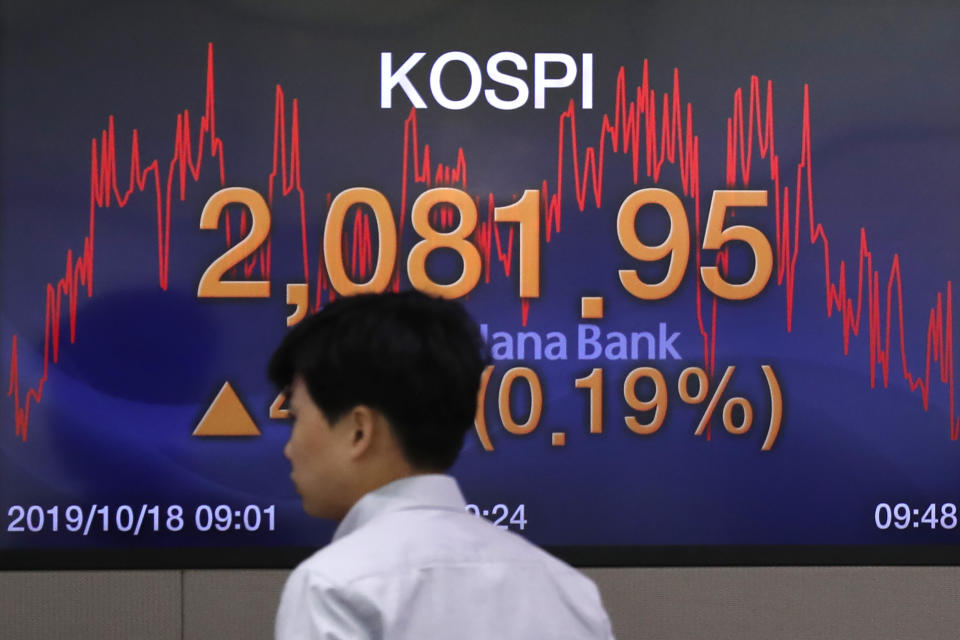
<point>409,562</point>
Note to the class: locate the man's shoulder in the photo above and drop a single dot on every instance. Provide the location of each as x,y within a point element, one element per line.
<point>416,569</point>
<point>415,539</point>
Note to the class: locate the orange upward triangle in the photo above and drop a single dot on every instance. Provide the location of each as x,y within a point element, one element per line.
<point>226,416</point>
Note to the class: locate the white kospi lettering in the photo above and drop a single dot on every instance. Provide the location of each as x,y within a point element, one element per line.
<point>475,80</point>
<point>540,80</point>
<point>399,77</point>
<point>553,71</point>
<point>493,70</point>
<point>586,81</point>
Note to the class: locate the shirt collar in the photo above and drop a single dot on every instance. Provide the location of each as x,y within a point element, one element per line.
<point>427,491</point>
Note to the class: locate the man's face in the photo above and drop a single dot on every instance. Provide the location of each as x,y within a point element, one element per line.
<point>318,456</point>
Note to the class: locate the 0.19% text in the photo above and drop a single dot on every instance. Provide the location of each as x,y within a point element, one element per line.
<point>693,388</point>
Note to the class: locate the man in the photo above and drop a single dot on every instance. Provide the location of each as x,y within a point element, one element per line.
<point>382,390</point>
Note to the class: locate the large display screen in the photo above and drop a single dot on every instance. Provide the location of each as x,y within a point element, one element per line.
<point>712,250</point>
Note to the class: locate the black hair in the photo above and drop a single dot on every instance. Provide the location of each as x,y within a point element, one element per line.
<point>414,358</point>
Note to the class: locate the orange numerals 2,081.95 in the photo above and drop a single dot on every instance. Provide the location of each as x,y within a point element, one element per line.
<point>525,212</point>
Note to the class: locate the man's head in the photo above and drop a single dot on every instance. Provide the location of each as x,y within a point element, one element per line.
<point>380,386</point>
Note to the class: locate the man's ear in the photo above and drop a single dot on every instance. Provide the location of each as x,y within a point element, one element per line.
<point>362,423</point>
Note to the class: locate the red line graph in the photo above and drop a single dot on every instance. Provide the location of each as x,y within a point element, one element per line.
<point>636,128</point>
<point>880,308</point>
<point>104,188</point>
